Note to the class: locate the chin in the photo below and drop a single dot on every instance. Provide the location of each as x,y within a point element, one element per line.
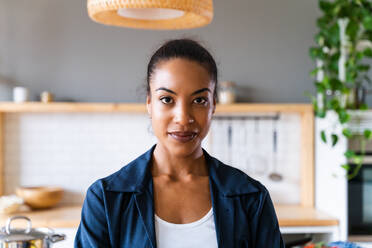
<point>182,152</point>
<point>182,149</point>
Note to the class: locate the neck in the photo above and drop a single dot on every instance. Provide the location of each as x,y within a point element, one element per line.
<point>166,163</point>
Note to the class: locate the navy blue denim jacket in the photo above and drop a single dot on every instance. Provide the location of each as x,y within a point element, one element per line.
<point>118,210</point>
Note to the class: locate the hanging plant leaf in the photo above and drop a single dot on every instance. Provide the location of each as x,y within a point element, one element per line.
<point>315,52</point>
<point>335,84</point>
<point>343,116</point>
<point>358,159</point>
<point>323,136</point>
<point>363,68</point>
<point>368,34</point>
<point>349,154</point>
<point>334,34</point>
<point>326,83</point>
<point>335,11</point>
<point>320,87</point>
<point>368,52</point>
<point>321,113</point>
<point>325,6</point>
<point>352,29</point>
<point>335,57</point>
<point>351,74</point>
<point>367,22</point>
<point>359,55</point>
<point>314,72</point>
<point>356,11</point>
<point>319,39</point>
<point>359,35</point>
<point>323,23</point>
<point>334,139</point>
<point>347,133</point>
<point>346,167</point>
<point>334,104</point>
<point>363,106</point>
<point>333,64</point>
<point>345,11</point>
<point>368,134</point>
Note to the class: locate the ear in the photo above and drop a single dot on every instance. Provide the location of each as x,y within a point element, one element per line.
<point>148,105</point>
<point>214,105</point>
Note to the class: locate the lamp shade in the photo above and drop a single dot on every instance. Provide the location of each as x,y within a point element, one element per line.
<point>152,14</point>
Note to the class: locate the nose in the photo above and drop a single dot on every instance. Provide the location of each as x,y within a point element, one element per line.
<point>183,115</point>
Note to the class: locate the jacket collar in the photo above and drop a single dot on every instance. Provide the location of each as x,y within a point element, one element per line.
<point>136,177</point>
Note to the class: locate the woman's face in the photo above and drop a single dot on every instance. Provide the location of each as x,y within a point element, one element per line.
<point>181,105</point>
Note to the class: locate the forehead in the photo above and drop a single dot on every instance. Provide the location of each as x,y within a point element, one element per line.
<point>182,74</point>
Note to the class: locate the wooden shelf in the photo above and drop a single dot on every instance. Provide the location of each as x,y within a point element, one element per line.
<point>71,107</point>
<point>69,217</point>
<point>141,108</point>
<point>264,107</point>
<point>304,110</point>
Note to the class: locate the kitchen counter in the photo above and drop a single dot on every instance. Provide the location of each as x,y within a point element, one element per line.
<point>290,216</point>
<point>58,217</point>
<point>69,217</point>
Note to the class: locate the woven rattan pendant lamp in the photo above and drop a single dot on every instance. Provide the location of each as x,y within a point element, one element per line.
<point>152,14</point>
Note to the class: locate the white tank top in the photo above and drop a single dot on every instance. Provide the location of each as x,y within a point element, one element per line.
<point>201,233</point>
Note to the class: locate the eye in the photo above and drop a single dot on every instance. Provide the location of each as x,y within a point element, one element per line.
<point>200,100</point>
<point>166,100</point>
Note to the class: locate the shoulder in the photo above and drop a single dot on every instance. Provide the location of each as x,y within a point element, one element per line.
<point>233,181</point>
<point>257,185</point>
<point>132,177</point>
<point>238,184</point>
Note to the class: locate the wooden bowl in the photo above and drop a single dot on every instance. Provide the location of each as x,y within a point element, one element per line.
<point>40,197</point>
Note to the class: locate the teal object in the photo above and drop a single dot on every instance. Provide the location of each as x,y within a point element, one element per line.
<point>341,244</point>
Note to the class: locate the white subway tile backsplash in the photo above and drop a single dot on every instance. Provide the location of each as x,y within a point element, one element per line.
<point>72,150</point>
<point>252,151</point>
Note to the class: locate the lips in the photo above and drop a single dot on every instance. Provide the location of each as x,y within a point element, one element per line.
<point>183,136</point>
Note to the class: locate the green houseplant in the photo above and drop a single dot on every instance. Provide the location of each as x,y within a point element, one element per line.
<point>342,54</point>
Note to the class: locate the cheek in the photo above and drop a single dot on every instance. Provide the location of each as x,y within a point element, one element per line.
<point>205,122</point>
<point>159,121</point>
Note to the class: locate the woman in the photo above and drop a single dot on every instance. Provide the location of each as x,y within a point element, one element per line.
<point>176,194</point>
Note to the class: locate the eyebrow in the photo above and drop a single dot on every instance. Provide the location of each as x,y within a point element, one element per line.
<point>194,93</point>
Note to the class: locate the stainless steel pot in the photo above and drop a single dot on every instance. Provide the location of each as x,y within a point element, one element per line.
<point>29,237</point>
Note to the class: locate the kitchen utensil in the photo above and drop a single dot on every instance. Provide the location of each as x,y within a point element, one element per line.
<point>40,197</point>
<point>29,237</point>
<point>243,158</point>
<point>247,148</point>
<point>229,141</point>
<point>257,161</point>
<point>275,175</point>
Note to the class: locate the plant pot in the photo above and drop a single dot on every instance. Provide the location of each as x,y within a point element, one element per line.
<point>357,97</point>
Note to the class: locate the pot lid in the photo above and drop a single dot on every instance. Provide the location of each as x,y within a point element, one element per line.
<point>9,234</point>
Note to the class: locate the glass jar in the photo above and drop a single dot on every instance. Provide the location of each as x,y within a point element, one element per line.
<point>46,97</point>
<point>226,92</point>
